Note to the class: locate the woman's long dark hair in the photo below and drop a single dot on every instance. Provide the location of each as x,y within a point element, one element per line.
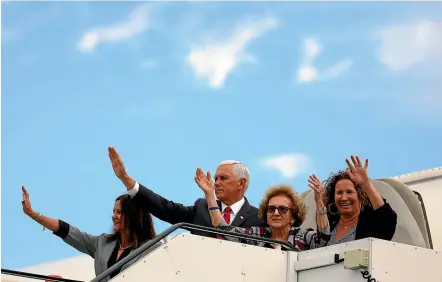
<point>138,222</point>
<point>329,195</point>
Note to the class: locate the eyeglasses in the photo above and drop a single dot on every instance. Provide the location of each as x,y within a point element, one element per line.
<point>281,209</point>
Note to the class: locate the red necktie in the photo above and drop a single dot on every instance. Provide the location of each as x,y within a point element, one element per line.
<point>226,214</point>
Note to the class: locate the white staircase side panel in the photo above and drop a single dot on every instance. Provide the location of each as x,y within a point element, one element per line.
<point>191,258</point>
<point>388,262</point>
<point>430,188</point>
<point>405,263</point>
<point>318,264</point>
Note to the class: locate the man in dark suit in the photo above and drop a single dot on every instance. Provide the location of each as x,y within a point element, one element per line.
<point>231,181</point>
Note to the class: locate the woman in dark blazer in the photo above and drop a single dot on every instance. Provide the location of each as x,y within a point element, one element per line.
<point>355,209</point>
<point>132,227</point>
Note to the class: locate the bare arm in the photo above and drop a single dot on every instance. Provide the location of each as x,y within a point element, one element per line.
<point>81,241</point>
<point>373,195</point>
<point>47,222</point>
<point>158,206</point>
<point>215,214</point>
<point>321,216</point>
<point>321,212</point>
<point>359,175</point>
<point>128,181</point>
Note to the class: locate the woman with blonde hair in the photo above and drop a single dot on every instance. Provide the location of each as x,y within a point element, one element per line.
<point>283,211</point>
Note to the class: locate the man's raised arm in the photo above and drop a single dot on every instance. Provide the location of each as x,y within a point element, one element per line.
<point>158,206</point>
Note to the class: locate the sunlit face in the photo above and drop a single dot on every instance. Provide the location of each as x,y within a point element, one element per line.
<point>279,212</point>
<point>346,197</point>
<point>117,217</point>
<point>227,184</point>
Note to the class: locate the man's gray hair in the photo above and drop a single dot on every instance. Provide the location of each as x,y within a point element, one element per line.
<point>240,170</point>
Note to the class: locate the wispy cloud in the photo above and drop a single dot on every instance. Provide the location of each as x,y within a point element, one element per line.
<point>308,72</point>
<point>137,23</point>
<point>288,165</point>
<point>216,61</point>
<point>338,69</point>
<point>403,46</point>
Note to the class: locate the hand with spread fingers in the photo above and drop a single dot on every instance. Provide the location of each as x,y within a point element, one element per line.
<point>117,163</point>
<point>315,184</point>
<point>26,203</point>
<point>321,212</point>
<point>204,181</point>
<point>357,172</point>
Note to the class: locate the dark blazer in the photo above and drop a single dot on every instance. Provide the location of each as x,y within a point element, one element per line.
<point>380,223</point>
<point>174,213</point>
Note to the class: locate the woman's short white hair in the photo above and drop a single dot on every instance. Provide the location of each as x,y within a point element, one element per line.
<point>240,170</point>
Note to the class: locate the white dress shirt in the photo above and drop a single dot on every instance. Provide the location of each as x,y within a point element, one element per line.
<point>235,209</point>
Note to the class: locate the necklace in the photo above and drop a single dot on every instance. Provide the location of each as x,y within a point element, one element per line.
<point>349,223</point>
<point>121,248</point>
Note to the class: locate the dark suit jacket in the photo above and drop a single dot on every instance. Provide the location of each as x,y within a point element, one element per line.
<point>174,213</point>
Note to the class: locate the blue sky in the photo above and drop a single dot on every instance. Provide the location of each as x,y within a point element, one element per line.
<point>287,88</point>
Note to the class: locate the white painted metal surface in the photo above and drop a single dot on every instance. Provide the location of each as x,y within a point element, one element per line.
<point>318,265</point>
<point>192,258</point>
<point>389,262</point>
<point>404,263</point>
<point>429,184</point>
<point>76,268</point>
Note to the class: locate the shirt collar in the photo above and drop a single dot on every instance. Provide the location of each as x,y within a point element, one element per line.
<point>235,207</point>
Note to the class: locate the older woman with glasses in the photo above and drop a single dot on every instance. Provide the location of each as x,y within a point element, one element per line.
<point>283,211</point>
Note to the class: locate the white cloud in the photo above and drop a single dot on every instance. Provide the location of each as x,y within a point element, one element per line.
<point>289,165</point>
<point>217,60</point>
<point>338,68</point>
<point>406,45</point>
<point>308,72</point>
<point>134,25</point>
<point>311,49</point>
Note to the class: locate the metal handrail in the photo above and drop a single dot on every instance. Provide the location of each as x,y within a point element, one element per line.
<point>187,226</point>
<point>35,276</point>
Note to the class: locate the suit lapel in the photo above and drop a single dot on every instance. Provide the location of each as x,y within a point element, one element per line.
<point>242,214</point>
